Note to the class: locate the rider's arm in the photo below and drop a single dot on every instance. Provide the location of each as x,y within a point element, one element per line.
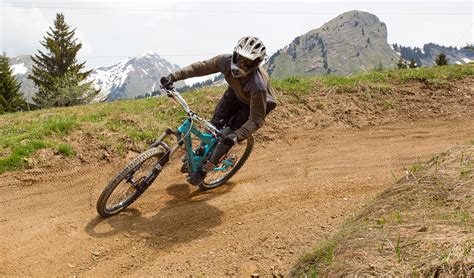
<point>201,68</point>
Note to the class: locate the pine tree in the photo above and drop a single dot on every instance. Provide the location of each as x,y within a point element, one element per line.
<point>441,60</point>
<point>11,99</point>
<point>401,64</point>
<point>412,64</point>
<point>71,91</point>
<point>58,60</point>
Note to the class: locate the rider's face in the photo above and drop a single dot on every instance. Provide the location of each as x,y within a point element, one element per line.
<point>244,63</point>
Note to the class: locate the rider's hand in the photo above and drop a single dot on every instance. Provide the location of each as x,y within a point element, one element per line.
<point>230,139</point>
<point>167,81</point>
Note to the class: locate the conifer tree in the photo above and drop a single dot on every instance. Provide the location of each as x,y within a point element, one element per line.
<point>441,60</point>
<point>56,62</point>
<point>11,99</point>
<point>401,64</point>
<point>412,64</point>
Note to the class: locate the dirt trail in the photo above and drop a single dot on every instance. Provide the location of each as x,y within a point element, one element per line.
<point>289,195</point>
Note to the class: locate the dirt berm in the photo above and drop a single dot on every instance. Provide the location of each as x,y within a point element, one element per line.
<point>421,227</point>
<point>321,157</point>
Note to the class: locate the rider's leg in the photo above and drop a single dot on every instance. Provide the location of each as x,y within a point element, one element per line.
<point>225,109</point>
<point>221,149</point>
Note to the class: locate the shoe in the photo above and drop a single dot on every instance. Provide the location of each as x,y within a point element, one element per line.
<point>184,168</point>
<point>197,177</point>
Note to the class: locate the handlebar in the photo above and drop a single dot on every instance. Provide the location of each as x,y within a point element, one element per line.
<point>172,93</point>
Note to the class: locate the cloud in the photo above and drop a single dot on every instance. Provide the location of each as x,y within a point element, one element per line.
<point>22,27</point>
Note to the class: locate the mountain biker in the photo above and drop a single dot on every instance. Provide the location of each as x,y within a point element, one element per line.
<point>244,105</point>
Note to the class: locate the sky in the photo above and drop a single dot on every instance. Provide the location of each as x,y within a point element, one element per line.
<point>187,31</point>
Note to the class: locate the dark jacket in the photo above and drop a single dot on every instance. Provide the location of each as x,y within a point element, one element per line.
<point>254,90</point>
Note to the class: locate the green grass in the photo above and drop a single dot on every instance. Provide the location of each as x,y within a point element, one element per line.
<point>378,80</point>
<point>388,104</point>
<point>141,121</point>
<point>66,150</point>
<point>294,84</point>
<point>19,154</point>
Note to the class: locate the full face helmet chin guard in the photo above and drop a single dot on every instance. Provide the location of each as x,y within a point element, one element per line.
<point>247,56</point>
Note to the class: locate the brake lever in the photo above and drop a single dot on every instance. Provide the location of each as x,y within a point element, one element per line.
<point>168,89</point>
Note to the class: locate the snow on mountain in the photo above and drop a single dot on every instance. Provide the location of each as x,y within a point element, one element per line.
<point>132,77</point>
<point>191,81</point>
<point>19,69</point>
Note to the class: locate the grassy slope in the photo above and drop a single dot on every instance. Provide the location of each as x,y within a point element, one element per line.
<point>422,227</point>
<point>132,124</point>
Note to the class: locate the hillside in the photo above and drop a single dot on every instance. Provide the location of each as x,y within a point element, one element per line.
<point>353,42</point>
<point>426,55</point>
<point>114,129</point>
<point>331,146</point>
<point>421,226</point>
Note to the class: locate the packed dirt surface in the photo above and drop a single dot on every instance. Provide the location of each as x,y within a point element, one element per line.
<point>290,194</point>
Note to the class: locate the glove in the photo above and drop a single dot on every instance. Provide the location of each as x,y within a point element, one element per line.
<point>167,81</point>
<point>230,139</point>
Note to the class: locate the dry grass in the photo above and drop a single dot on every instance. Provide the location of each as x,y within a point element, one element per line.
<point>421,227</point>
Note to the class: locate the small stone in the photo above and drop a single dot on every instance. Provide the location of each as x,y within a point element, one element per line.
<point>423,229</point>
<point>255,275</point>
<point>96,253</point>
<point>145,235</point>
<point>239,223</point>
<point>71,265</point>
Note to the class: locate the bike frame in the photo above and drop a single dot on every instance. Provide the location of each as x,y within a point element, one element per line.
<point>183,136</point>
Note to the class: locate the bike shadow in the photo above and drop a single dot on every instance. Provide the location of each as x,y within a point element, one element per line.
<point>185,217</point>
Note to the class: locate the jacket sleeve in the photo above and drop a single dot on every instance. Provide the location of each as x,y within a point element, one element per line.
<point>202,68</point>
<point>258,107</point>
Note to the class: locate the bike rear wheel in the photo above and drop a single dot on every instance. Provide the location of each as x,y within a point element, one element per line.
<point>229,165</point>
<point>129,183</point>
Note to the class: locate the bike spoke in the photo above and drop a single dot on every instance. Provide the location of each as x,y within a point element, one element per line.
<point>130,184</point>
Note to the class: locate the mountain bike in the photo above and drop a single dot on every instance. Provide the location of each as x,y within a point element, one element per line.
<point>197,136</point>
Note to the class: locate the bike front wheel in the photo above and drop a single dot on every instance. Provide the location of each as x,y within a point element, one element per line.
<point>129,183</point>
<point>229,165</point>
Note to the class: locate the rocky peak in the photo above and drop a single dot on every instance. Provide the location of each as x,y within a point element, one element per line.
<point>352,42</point>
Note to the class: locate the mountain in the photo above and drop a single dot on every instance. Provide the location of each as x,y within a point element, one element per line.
<point>21,67</point>
<point>426,56</point>
<point>352,42</point>
<point>132,77</point>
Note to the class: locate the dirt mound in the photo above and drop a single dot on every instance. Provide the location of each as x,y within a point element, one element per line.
<point>420,226</point>
<point>370,105</point>
<point>322,162</point>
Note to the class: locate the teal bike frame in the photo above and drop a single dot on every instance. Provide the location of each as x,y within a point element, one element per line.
<point>208,140</point>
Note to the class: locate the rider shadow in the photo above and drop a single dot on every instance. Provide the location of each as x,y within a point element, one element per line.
<point>185,218</point>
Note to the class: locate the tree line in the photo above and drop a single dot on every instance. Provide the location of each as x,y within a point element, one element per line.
<point>56,73</point>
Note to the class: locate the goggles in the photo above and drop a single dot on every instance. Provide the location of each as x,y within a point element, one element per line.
<point>244,63</point>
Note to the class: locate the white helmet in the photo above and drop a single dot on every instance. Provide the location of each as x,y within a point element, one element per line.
<point>248,54</point>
